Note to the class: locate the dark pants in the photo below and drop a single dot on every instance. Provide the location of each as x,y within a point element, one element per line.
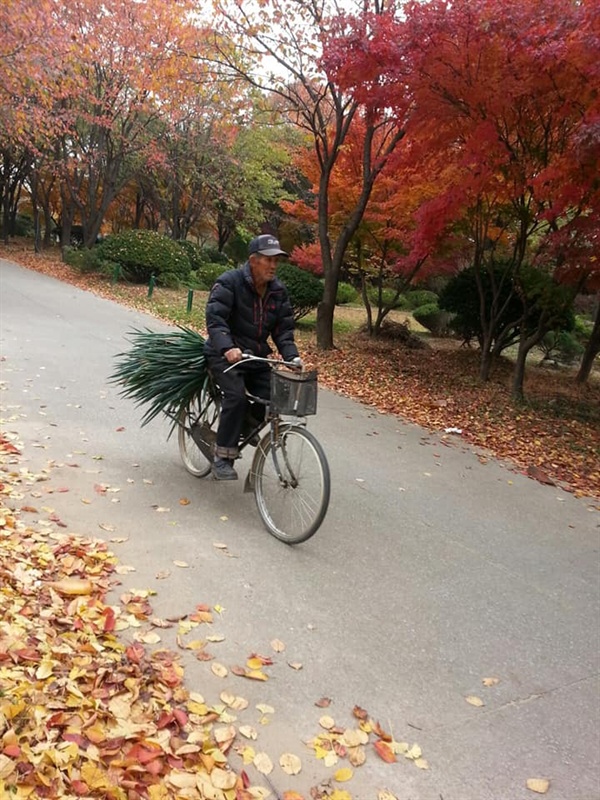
<point>233,385</point>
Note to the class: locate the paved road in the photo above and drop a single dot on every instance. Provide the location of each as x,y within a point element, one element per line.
<point>431,572</point>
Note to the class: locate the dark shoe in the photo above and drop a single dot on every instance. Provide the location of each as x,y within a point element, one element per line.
<point>222,470</point>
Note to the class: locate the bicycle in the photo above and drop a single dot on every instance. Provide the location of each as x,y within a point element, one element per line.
<point>289,475</point>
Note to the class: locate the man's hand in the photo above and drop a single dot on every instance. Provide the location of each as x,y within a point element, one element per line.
<point>233,355</point>
<point>297,362</point>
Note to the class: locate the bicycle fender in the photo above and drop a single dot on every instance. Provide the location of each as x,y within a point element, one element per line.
<point>251,476</point>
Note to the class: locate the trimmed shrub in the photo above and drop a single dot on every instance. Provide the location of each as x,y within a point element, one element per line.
<point>143,253</point>
<point>85,260</point>
<point>304,288</point>
<point>212,255</point>
<point>23,226</point>
<point>420,297</point>
<point>346,293</point>
<point>432,318</point>
<point>388,297</point>
<point>205,276</point>
<point>193,252</point>
<point>562,346</point>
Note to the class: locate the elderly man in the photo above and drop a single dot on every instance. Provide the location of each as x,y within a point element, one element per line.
<point>244,308</point>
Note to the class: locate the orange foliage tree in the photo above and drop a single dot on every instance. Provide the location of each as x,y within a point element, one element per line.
<point>287,48</point>
<point>503,94</point>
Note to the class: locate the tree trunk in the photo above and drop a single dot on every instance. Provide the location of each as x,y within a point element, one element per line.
<point>367,304</point>
<point>5,196</point>
<point>485,362</point>
<point>519,373</point>
<point>591,351</point>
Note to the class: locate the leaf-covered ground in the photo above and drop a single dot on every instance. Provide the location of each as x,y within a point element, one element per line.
<point>93,706</point>
<point>554,437</point>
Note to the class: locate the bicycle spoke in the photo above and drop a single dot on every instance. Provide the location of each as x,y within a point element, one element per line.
<point>292,485</point>
<point>201,413</point>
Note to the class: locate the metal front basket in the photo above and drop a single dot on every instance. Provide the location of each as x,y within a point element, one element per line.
<point>294,393</point>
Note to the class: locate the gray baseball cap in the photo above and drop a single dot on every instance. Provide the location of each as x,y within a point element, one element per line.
<point>266,245</point>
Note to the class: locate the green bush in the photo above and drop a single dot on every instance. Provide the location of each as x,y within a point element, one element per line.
<point>582,327</point>
<point>420,297</point>
<point>561,346</point>
<point>205,276</point>
<point>23,226</point>
<point>304,288</point>
<point>346,293</point>
<point>85,260</point>
<point>193,252</point>
<point>212,255</point>
<point>431,317</point>
<point>143,253</point>
<point>388,297</point>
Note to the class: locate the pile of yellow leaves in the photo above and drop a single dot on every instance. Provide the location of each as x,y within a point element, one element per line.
<point>81,713</point>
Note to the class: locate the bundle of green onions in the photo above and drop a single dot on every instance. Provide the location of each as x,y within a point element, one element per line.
<point>163,371</point>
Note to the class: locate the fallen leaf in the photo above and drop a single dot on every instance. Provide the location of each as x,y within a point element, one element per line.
<point>324,702</point>
<point>183,501</point>
<point>164,573</point>
<point>248,731</point>
<point>265,709</point>
<point>292,796</point>
<point>360,713</point>
<point>474,701</point>
<point>107,527</point>
<point>327,722</point>
<point>342,775</point>
<point>385,794</point>
<point>295,665</point>
<point>220,545</point>
<point>538,785</point>
<point>421,763</point>
<point>161,509</point>
<point>414,752</point>
<point>278,646</point>
<point>216,637</point>
<point>182,564</point>
<point>72,586</point>
<point>223,779</point>
<point>384,751</point>
<point>219,670</point>
<point>353,737</point>
<point>490,681</point>
<point>357,756</point>
<point>263,763</point>
<point>147,638</point>
<point>290,763</point>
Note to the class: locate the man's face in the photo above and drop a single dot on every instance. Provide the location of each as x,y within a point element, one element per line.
<point>263,268</point>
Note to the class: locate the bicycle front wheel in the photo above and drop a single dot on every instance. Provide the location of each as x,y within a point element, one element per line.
<point>292,485</point>
<point>197,432</point>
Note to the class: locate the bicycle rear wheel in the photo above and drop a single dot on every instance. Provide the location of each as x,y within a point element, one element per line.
<point>197,432</point>
<point>292,484</point>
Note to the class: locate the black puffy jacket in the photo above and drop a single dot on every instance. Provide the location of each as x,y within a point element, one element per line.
<point>237,316</point>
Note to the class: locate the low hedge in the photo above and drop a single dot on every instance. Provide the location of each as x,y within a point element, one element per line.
<point>305,289</point>
<point>436,321</point>
<point>143,253</point>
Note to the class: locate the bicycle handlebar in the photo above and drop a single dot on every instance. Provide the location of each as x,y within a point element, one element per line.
<point>252,357</point>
